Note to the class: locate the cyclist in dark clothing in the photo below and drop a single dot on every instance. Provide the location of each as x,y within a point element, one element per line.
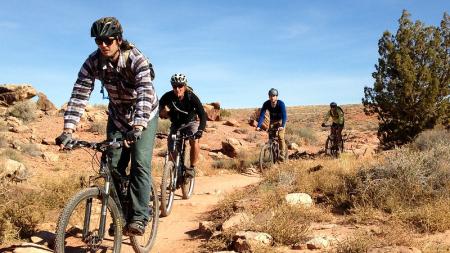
<point>183,107</point>
<point>278,117</point>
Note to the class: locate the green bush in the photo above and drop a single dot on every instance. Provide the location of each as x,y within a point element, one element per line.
<point>224,113</point>
<point>26,111</point>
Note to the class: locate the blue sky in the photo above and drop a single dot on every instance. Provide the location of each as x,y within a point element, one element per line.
<point>232,51</point>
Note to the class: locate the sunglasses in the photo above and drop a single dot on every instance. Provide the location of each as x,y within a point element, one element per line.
<point>100,40</point>
<point>178,85</point>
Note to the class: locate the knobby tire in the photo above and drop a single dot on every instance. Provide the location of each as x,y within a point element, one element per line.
<point>80,198</point>
<point>143,244</point>
<point>167,193</point>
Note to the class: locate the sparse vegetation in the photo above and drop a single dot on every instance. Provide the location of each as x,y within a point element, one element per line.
<point>22,210</point>
<point>301,135</point>
<point>31,149</point>
<point>98,127</point>
<point>224,113</point>
<point>163,126</point>
<point>26,110</point>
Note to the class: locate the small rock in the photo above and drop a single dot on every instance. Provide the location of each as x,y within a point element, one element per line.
<point>204,147</point>
<point>20,129</point>
<point>232,122</point>
<point>235,220</point>
<point>318,243</point>
<point>299,199</point>
<point>48,141</point>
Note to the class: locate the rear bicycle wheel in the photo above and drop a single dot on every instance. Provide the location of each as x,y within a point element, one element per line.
<point>167,188</point>
<point>187,187</point>
<point>79,224</point>
<point>144,243</point>
<point>265,158</point>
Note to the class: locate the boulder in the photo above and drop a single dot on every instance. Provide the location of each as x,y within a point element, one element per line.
<point>13,169</point>
<point>44,104</point>
<point>253,121</point>
<point>231,147</point>
<point>212,111</point>
<point>10,94</point>
<point>232,122</point>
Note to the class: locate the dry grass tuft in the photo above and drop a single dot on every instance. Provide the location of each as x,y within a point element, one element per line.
<point>98,126</point>
<point>25,110</point>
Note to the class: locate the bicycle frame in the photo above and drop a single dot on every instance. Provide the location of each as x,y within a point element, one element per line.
<point>109,189</point>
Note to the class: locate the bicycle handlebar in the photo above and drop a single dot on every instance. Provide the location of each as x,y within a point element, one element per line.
<point>99,146</point>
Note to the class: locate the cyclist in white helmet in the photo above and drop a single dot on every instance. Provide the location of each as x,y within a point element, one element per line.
<point>183,107</point>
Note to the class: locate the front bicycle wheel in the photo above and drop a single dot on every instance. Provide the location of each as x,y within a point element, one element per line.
<point>144,243</point>
<point>168,181</point>
<point>79,228</point>
<point>187,187</point>
<point>265,157</point>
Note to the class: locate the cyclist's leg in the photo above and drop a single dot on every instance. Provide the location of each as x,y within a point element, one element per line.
<point>282,142</point>
<point>334,130</point>
<point>140,173</point>
<point>195,148</point>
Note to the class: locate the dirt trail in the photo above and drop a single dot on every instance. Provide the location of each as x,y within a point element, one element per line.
<point>175,232</point>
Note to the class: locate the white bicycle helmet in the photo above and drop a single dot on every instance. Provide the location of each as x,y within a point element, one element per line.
<point>178,78</point>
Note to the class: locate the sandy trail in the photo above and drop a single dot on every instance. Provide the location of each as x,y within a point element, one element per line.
<point>175,232</point>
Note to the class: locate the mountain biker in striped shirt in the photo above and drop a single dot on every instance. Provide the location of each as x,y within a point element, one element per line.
<point>278,118</point>
<point>127,75</point>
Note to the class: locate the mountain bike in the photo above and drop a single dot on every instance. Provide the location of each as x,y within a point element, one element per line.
<point>333,146</point>
<point>174,171</point>
<point>270,153</point>
<point>81,224</point>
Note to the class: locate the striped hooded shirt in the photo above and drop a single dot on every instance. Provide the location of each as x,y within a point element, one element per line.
<point>132,97</point>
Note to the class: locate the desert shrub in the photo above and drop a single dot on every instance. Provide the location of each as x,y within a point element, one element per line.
<point>26,110</point>
<point>22,210</point>
<point>430,217</point>
<point>252,138</point>
<point>244,160</point>
<point>100,106</point>
<point>98,127</point>
<point>224,113</point>
<point>288,225</point>
<point>301,133</point>
<point>31,149</point>
<point>163,126</point>
<point>431,138</point>
<point>11,154</point>
<point>3,141</point>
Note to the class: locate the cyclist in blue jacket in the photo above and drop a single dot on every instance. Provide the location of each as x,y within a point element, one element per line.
<point>278,117</point>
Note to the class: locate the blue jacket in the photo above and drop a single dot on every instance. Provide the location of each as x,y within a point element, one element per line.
<point>277,113</point>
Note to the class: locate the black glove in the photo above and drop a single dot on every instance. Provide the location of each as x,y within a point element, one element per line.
<point>133,135</point>
<point>198,134</point>
<point>63,139</point>
<point>323,125</point>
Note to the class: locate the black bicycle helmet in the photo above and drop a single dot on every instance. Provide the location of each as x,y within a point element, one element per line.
<point>273,92</point>
<point>106,27</point>
<point>333,104</point>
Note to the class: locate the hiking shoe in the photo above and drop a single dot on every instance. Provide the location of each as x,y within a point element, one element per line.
<point>136,228</point>
<point>190,172</point>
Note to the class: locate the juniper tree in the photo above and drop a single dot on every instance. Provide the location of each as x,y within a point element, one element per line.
<point>412,81</point>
